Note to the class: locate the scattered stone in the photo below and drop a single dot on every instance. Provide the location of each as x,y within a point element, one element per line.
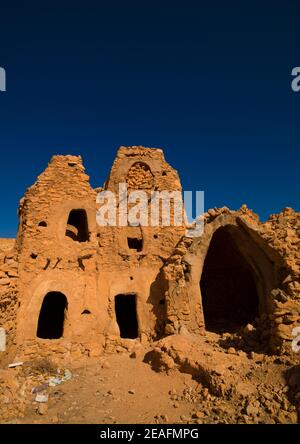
<point>184,418</point>
<point>252,408</point>
<point>244,389</point>
<point>198,415</point>
<point>42,409</point>
<point>105,365</point>
<point>231,351</point>
<point>249,328</point>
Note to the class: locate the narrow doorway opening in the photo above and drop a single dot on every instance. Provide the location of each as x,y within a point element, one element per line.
<point>125,307</point>
<point>52,316</point>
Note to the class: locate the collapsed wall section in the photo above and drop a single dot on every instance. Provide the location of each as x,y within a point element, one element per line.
<point>269,254</point>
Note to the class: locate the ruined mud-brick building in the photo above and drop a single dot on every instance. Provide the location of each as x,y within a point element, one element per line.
<point>69,287</point>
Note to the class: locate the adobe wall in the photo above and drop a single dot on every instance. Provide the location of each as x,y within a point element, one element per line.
<point>8,289</point>
<point>123,270</point>
<point>7,244</point>
<point>164,272</point>
<point>48,259</point>
<point>91,273</point>
<point>271,250</point>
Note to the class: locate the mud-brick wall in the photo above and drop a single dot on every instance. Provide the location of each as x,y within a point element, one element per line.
<point>49,260</point>
<point>8,294</point>
<point>282,231</point>
<point>179,310</point>
<point>277,241</point>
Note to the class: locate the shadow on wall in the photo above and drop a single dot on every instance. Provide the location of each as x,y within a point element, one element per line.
<point>229,294</point>
<point>158,302</point>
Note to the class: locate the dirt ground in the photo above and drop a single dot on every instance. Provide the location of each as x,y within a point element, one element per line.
<point>222,385</point>
<point>124,391</point>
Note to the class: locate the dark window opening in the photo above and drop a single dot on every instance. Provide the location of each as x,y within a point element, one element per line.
<point>77,226</point>
<point>125,306</point>
<point>164,173</point>
<point>229,295</point>
<point>86,312</point>
<point>33,255</point>
<point>135,243</point>
<point>52,316</point>
<point>43,224</point>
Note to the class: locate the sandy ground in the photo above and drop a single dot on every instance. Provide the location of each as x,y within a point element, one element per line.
<point>119,388</point>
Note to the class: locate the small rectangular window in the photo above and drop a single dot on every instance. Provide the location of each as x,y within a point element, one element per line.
<point>135,243</point>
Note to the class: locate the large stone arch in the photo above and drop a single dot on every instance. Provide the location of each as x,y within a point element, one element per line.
<point>185,298</point>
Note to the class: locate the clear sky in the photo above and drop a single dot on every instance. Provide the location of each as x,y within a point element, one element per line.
<point>207,81</point>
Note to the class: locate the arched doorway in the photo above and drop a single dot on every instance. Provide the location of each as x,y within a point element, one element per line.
<point>228,288</point>
<point>52,316</point>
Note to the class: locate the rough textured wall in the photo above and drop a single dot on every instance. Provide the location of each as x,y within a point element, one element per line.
<point>142,169</point>
<point>49,258</point>
<point>8,292</point>
<point>60,248</point>
<point>7,244</point>
<point>282,232</point>
<point>271,248</point>
<point>90,269</point>
<point>127,270</point>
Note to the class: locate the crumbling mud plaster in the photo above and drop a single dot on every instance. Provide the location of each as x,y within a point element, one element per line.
<point>66,269</point>
<point>246,258</point>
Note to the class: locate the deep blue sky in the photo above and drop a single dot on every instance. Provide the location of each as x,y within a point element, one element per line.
<point>208,81</point>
